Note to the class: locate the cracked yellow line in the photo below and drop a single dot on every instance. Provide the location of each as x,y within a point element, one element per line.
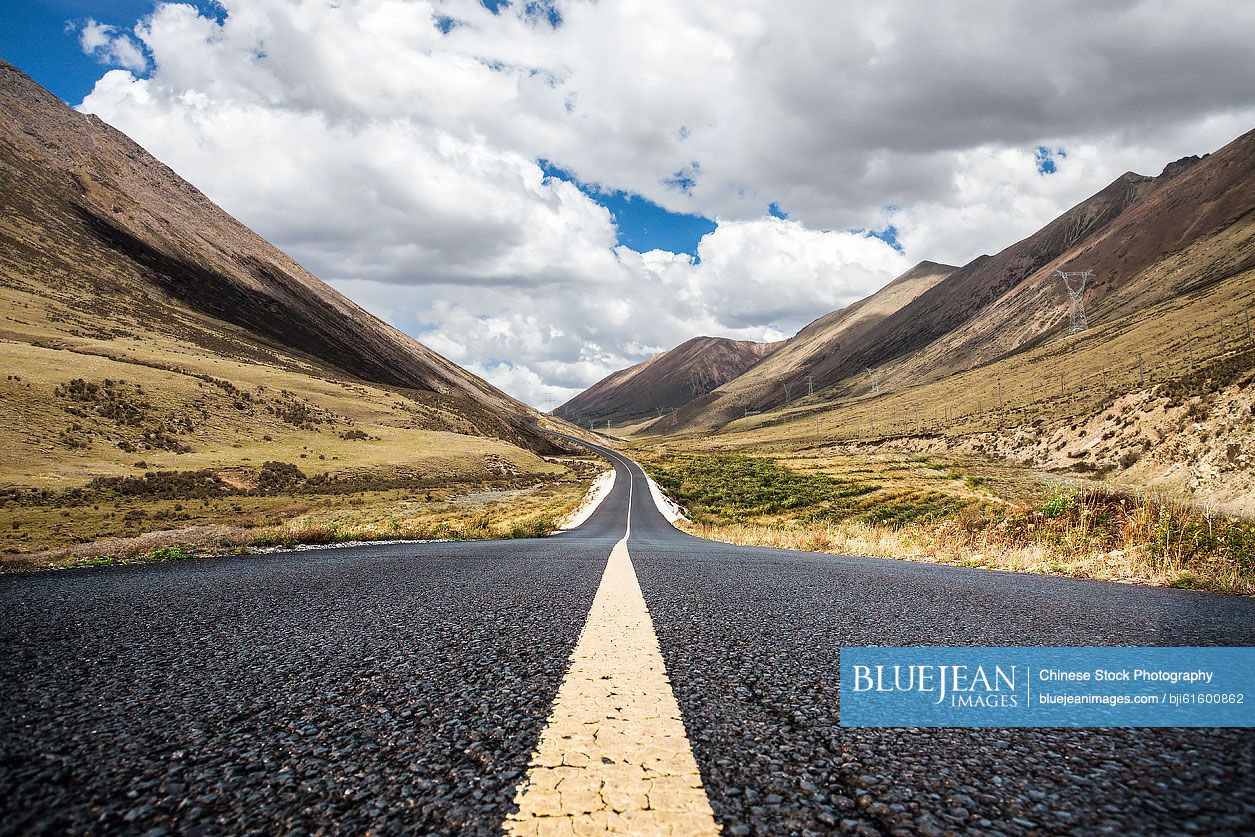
<point>614,756</point>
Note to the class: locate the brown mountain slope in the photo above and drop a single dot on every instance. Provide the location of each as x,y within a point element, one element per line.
<point>1199,212</point>
<point>1147,239</point>
<point>969,289</point>
<point>1155,392</point>
<point>108,242</point>
<point>665,381</point>
<point>783,375</point>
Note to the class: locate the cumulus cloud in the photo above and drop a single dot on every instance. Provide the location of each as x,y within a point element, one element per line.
<point>393,146</point>
<point>778,271</point>
<point>752,280</point>
<point>108,45</point>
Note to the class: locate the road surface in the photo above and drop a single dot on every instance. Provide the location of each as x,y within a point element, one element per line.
<point>420,688</point>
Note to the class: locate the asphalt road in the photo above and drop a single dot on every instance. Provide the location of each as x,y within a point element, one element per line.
<point>403,688</point>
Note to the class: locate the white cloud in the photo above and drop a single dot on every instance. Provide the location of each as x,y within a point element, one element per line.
<point>756,280</point>
<point>388,200</point>
<point>771,271</point>
<point>398,161</point>
<point>109,45</point>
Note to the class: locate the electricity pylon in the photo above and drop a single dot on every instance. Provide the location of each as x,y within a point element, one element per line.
<point>875,380</point>
<point>1076,312</point>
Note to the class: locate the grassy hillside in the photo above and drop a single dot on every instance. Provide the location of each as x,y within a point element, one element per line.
<point>953,508</point>
<point>1126,452</point>
<point>992,436</point>
<point>1154,394</point>
<point>165,369</point>
<point>1190,356</point>
<point>112,436</point>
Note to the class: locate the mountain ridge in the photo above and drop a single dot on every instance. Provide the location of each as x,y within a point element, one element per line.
<point>1000,304</point>
<point>164,256</point>
<point>783,376</point>
<point>666,381</point>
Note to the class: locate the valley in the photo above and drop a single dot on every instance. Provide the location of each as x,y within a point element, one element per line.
<point>174,384</point>
<point>551,418</point>
<point>1144,420</point>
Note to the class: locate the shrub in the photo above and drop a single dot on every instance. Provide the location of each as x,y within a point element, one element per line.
<point>1058,504</point>
<point>538,528</point>
<point>277,476</point>
<point>165,485</point>
<point>170,553</point>
<point>733,487</point>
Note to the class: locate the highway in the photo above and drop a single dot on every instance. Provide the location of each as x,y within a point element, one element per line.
<point>596,680</point>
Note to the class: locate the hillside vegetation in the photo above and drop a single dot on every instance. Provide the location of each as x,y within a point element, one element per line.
<point>958,510</point>
<point>948,425</point>
<point>167,370</point>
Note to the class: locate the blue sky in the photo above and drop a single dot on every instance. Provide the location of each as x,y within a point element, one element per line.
<point>642,224</point>
<point>801,140</point>
<point>34,36</point>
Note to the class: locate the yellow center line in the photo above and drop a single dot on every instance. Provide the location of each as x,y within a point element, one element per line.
<point>614,756</point>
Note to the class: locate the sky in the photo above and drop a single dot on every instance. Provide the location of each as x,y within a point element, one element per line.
<point>546,191</point>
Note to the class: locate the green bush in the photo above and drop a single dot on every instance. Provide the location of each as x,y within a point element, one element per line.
<point>169,553</point>
<point>1058,504</point>
<point>1191,538</point>
<point>733,487</point>
<point>165,485</point>
<point>923,507</point>
<point>277,476</point>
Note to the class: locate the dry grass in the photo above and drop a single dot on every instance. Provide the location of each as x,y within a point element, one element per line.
<point>1136,558</point>
<point>956,511</point>
<point>1063,378</point>
<point>90,396</point>
<point>936,471</point>
<point>289,521</point>
<point>244,414</point>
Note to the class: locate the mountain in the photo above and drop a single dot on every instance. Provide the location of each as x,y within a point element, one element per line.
<point>1147,240</point>
<point>783,376</point>
<point>1192,214</point>
<point>1013,301</point>
<point>665,381</point>
<point>118,274</point>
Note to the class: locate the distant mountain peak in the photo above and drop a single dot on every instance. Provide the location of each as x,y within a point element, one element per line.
<point>666,381</point>
<point>1178,166</point>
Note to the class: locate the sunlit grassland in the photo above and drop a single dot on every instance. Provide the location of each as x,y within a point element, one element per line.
<point>119,442</point>
<point>850,470</point>
<point>960,511</point>
<point>1177,341</point>
<point>103,526</point>
<point>212,411</point>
